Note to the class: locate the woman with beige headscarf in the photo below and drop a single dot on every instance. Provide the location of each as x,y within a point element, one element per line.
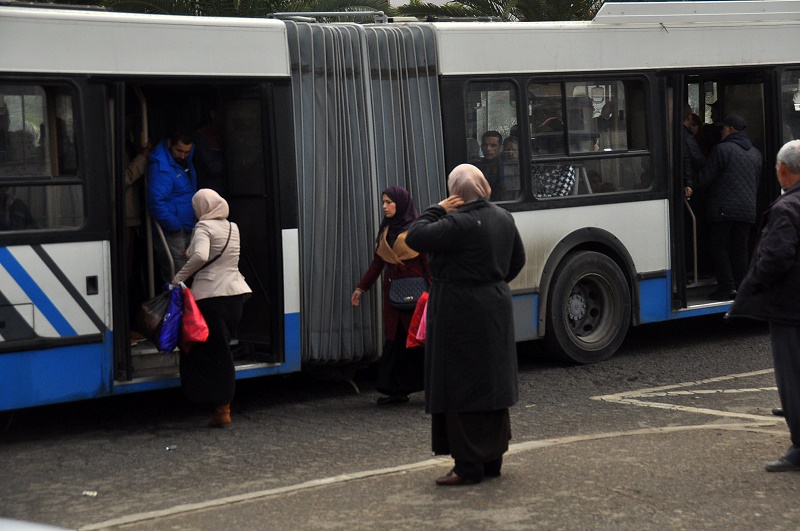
<point>207,372</point>
<point>474,251</point>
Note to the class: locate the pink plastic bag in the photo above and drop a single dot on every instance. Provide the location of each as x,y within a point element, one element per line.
<point>414,326</point>
<point>423,324</point>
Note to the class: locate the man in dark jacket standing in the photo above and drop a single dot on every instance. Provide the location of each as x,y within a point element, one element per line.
<point>732,173</point>
<point>771,292</point>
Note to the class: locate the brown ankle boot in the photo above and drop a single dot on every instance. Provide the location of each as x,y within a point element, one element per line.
<point>221,418</point>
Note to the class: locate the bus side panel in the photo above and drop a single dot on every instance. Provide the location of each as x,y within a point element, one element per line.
<point>37,377</point>
<point>526,316</point>
<point>655,299</point>
<point>291,300</point>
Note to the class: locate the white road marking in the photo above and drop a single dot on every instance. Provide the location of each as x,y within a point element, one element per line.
<point>759,423</point>
<point>637,398</point>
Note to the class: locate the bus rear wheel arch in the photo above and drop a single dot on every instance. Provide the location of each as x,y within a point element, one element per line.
<point>588,308</point>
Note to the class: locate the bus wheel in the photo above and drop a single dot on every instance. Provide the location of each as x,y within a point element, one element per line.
<point>588,309</point>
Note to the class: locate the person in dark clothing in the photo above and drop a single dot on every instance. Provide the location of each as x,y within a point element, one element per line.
<point>471,357</point>
<point>208,157</point>
<point>692,160</point>
<point>771,292</point>
<point>14,213</point>
<point>731,173</point>
<point>491,164</point>
<point>401,369</point>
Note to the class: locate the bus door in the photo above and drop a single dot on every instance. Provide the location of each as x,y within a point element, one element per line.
<point>55,242</point>
<point>711,96</point>
<point>250,149</point>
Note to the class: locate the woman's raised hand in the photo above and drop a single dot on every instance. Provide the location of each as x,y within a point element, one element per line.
<point>451,203</point>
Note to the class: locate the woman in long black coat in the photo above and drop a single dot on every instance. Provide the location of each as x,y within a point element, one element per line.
<point>474,250</point>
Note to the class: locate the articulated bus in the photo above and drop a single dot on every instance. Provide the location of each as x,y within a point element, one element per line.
<point>315,119</point>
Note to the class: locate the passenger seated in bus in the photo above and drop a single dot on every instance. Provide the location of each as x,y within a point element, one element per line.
<point>491,162</point>
<point>510,157</point>
<point>549,137</point>
<point>171,183</point>
<point>582,137</point>
<point>598,185</point>
<point>14,213</point>
<point>551,180</point>
<point>67,157</point>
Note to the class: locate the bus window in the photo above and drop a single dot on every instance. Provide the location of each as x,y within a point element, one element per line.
<point>790,104</point>
<point>547,119</point>
<point>600,121</point>
<point>492,136</point>
<point>30,155</point>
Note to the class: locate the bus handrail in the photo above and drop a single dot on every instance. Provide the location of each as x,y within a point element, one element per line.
<point>694,238</point>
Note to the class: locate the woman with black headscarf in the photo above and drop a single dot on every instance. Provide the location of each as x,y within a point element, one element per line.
<point>401,368</point>
<point>471,358</point>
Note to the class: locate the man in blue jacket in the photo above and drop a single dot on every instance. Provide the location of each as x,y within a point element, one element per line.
<point>171,184</point>
<point>771,292</point>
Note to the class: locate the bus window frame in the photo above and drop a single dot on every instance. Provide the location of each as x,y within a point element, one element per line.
<point>79,178</point>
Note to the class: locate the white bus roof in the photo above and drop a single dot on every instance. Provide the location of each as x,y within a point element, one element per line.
<point>628,36</point>
<point>99,42</point>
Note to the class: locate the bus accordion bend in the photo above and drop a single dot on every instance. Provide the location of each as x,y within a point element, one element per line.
<point>311,121</point>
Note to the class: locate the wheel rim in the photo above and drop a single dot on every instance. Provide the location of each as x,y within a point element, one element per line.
<point>590,309</point>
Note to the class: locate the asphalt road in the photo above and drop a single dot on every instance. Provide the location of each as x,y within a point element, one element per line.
<point>672,432</point>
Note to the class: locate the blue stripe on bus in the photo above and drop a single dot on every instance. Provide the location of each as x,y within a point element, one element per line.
<point>35,293</point>
<point>49,376</point>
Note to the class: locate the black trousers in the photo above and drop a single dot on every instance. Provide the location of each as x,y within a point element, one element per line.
<point>208,374</point>
<point>476,440</point>
<point>785,341</point>
<point>401,370</point>
<point>729,244</point>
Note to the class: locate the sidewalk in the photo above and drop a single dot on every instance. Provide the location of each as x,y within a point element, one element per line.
<point>695,477</point>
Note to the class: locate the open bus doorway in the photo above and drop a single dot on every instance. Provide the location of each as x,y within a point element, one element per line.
<point>712,97</point>
<point>232,156</point>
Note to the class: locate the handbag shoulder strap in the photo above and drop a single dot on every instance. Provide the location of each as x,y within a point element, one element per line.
<point>230,230</point>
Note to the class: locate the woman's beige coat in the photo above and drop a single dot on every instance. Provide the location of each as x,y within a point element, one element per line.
<point>222,278</point>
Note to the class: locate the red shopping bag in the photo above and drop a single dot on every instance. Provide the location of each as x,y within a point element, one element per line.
<point>193,325</point>
<point>416,329</point>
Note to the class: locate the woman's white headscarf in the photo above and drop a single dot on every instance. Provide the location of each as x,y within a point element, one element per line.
<point>468,182</point>
<point>208,204</point>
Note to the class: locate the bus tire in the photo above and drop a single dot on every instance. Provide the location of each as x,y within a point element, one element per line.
<point>588,309</point>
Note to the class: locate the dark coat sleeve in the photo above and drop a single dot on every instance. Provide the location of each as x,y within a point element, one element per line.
<point>433,231</point>
<point>777,250</point>
<point>517,258</point>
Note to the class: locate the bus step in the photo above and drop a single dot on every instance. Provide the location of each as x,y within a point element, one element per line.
<point>146,356</point>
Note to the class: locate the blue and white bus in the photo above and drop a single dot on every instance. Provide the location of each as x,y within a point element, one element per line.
<point>315,119</point>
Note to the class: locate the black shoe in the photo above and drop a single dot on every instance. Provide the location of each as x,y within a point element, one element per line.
<point>778,412</point>
<point>782,465</point>
<point>392,399</point>
<point>454,480</point>
<point>722,295</point>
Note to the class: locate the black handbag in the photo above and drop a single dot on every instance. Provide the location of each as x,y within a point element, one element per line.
<point>405,292</point>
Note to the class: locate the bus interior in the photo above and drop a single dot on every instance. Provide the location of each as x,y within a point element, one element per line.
<point>230,123</point>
